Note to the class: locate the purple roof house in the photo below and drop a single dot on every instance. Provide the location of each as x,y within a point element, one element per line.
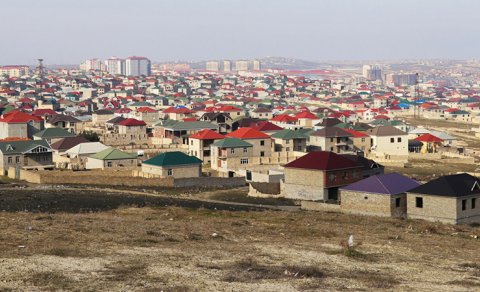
<point>378,195</point>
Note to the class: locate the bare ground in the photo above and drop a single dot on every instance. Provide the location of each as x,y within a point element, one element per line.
<point>158,247</point>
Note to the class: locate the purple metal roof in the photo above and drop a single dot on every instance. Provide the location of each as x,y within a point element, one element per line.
<point>389,184</point>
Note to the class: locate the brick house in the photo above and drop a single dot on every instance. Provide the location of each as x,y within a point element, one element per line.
<point>26,154</point>
<point>200,142</point>
<point>318,175</point>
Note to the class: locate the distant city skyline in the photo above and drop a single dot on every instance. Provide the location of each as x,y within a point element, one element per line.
<point>68,32</point>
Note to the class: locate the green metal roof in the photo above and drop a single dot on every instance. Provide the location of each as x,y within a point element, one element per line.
<point>53,133</point>
<point>289,134</point>
<point>173,158</point>
<point>231,143</point>
<point>113,154</point>
<point>20,147</point>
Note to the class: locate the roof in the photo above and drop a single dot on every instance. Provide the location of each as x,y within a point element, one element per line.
<point>232,143</point>
<point>356,134</point>
<point>388,184</point>
<point>67,143</point>
<point>429,138</point>
<point>362,160</point>
<point>53,133</point>
<point>265,126</point>
<point>16,116</point>
<point>385,131</point>
<point>331,132</point>
<point>247,133</point>
<point>173,158</point>
<point>207,134</point>
<point>329,122</point>
<point>86,148</point>
<point>323,160</point>
<point>62,118</point>
<point>113,154</point>
<point>190,126</point>
<point>456,185</point>
<point>20,147</point>
<point>132,122</point>
<point>289,134</point>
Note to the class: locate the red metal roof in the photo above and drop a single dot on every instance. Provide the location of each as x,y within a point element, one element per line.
<point>146,109</point>
<point>132,122</point>
<point>18,117</point>
<point>306,115</point>
<point>356,134</point>
<point>207,134</point>
<point>429,138</point>
<point>247,133</point>
<point>265,126</point>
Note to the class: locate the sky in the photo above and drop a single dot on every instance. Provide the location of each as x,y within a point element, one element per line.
<point>70,31</point>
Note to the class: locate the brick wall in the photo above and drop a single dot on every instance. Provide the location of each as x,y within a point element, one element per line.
<point>372,204</point>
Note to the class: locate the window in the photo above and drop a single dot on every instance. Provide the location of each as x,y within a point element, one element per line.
<point>232,150</point>
<point>287,141</point>
<point>287,149</point>
<point>331,139</point>
<point>392,140</point>
<point>363,148</point>
<point>10,160</point>
<point>399,139</point>
<point>169,172</point>
<point>191,142</point>
<point>332,177</point>
<point>244,161</point>
<point>109,164</point>
<point>464,205</point>
<point>262,142</point>
<point>363,139</point>
<point>474,200</point>
<point>245,150</point>
<point>397,202</point>
<point>419,202</point>
<point>345,175</point>
<point>17,159</point>
<point>262,153</point>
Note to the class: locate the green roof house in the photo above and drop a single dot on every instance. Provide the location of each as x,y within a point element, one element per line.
<point>111,158</point>
<point>174,164</point>
<point>52,135</point>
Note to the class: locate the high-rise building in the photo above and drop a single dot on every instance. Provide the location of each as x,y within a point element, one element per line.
<point>14,70</point>
<point>212,66</point>
<point>401,79</point>
<point>136,66</point>
<point>372,72</point>
<point>241,65</point>
<point>227,66</point>
<point>115,66</point>
<point>257,66</point>
<point>92,64</point>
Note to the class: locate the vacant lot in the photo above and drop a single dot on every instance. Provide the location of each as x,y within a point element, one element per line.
<point>126,247</point>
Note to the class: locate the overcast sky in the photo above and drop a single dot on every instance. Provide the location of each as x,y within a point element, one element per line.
<point>69,31</point>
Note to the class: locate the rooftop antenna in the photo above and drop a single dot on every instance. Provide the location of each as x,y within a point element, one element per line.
<point>40,69</point>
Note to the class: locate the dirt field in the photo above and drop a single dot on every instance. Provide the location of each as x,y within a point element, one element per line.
<point>134,243</point>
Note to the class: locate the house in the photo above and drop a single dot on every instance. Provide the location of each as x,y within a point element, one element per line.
<point>379,195</point>
<point>449,199</point>
<point>289,140</point>
<point>17,124</point>
<point>223,120</point>
<point>200,142</point>
<point>111,158</point>
<point>262,143</point>
<point>132,126</point>
<point>101,116</point>
<point>330,139</point>
<point>318,175</point>
<point>68,123</point>
<point>174,164</point>
<point>370,167</point>
<point>265,127</point>
<point>64,144</point>
<point>52,135</point>
<point>431,143</point>
<point>25,154</point>
<point>359,141</point>
<point>261,113</point>
<point>231,154</point>
<point>175,132</point>
<point>389,142</point>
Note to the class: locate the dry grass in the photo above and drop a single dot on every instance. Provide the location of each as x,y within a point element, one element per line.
<point>180,249</point>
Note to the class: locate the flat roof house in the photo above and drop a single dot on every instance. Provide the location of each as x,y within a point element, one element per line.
<point>378,195</point>
<point>174,164</point>
<point>449,199</point>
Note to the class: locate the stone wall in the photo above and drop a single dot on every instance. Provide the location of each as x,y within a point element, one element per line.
<point>265,190</point>
<point>319,206</point>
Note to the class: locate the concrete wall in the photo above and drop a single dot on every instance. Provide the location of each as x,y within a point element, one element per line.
<point>264,190</point>
<point>304,184</point>
<point>372,204</point>
<point>383,145</point>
